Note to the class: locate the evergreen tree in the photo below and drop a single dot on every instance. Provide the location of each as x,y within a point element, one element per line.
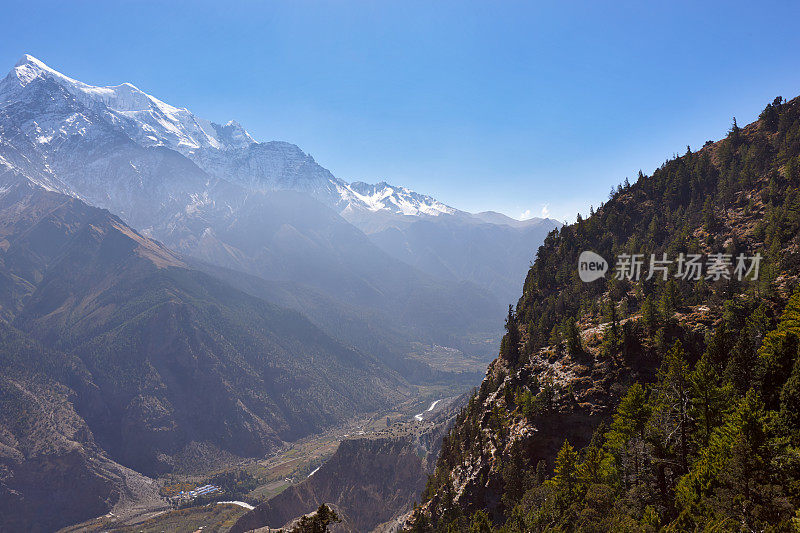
<point>739,371</point>
<point>649,315</point>
<point>595,467</point>
<point>778,352</point>
<point>625,439</point>
<point>565,473</point>
<point>571,333</point>
<point>734,134</point>
<point>747,493</point>
<point>612,339</point>
<point>319,522</point>
<point>718,348</point>
<point>480,523</point>
<point>669,422</point>
<point>555,339</point>
<point>509,346</point>
<point>670,299</point>
<point>790,402</point>
<point>710,398</point>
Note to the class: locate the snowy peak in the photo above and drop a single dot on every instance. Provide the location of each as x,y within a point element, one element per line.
<point>121,97</point>
<point>385,197</point>
<point>96,114</point>
<point>148,120</point>
<point>226,151</point>
<point>28,68</point>
<point>29,59</point>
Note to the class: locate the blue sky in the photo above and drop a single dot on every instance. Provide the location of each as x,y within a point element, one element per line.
<point>519,107</point>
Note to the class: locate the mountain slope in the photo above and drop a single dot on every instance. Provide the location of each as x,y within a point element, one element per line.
<point>463,248</point>
<point>288,236</point>
<point>210,192</point>
<point>694,380</point>
<point>162,358</point>
<point>226,152</point>
<point>52,471</point>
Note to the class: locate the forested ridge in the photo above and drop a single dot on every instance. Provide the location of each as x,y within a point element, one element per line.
<point>642,405</point>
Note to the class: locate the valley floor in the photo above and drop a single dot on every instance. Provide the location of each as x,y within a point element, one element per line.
<point>274,473</point>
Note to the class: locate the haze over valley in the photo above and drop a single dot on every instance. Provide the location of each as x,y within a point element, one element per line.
<point>191,292</point>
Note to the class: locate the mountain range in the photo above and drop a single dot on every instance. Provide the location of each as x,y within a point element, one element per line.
<point>171,288</point>
<point>184,180</point>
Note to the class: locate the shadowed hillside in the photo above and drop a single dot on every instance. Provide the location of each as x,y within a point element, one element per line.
<point>158,357</point>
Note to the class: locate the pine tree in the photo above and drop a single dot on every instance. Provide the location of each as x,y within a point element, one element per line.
<point>318,522</point>
<point>565,473</point>
<point>509,346</point>
<point>718,348</point>
<point>747,492</point>
<point>595,467</point>
<point>649,315</point>
<point>669,422</point>
<point>734,133</point>
<point>480,523</point>
<point>790,402</point>
<point>574,345</point>
<point>613,336</point>
<point>770,116</point>
<point>741,363</point>
<point>555,339</point>
<point>778,352</point>
<point>541,472</point>
<point>709,398</point>
<point>792,169</point>
<point>625,437</point>
<point>515,482</point>
<point>670,299</point>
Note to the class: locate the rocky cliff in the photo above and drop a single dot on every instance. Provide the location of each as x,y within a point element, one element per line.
<point>369,481</point>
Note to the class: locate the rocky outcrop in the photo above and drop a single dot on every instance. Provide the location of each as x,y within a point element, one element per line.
<point>583,390</point>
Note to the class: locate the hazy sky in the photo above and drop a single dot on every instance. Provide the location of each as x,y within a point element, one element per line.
<point>518,107</point>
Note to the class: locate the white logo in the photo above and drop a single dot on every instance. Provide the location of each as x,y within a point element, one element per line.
<point>591,266</point>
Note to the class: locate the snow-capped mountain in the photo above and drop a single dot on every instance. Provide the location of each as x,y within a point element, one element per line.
<point>224,151</point>
<point>398,200</point>
<point>378,269</point>
<point>189,182</point>
<point>145,118</point>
